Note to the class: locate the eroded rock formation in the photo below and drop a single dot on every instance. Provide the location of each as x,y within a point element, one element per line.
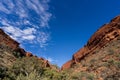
<point>99,39</point>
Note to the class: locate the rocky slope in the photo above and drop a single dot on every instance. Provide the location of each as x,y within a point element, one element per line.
<point>107,33</point>
<point>10,51</point>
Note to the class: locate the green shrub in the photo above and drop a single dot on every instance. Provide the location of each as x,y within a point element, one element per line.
<point>111,61</point>
<point>106,64</point>
<point>81,75</point>
<point>25,67</point>
<point>117,64</point>
<point>52,74</point>
<point>16,54</point>
<point>111,52</point>
<point>2,72</point>
<point>92,61</point>
<point>30,68</point>
<point>32,76</point>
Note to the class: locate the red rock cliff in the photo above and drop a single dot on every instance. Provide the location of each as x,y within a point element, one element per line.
<point>104,35</point>
<point>6,40</point>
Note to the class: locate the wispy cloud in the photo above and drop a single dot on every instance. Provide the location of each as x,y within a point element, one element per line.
<point>26,20</point>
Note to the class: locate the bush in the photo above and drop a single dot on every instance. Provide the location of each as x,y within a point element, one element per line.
<point>30,68</point>
<point>2,72</point>
<point>25,67</point>
<point>53,75</point>
<point>81,76</point>
<point>16,54</point>
<point>32,76</point>
<point>111,61</point>
<point>117,64</point>
<point>28,64</point>
<point>111,52</point>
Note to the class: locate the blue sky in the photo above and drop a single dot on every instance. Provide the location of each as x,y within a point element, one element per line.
<point>55,29</point>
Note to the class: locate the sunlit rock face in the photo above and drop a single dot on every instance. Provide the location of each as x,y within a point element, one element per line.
<point>99,39</point>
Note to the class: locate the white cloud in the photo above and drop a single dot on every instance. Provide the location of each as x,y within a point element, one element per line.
<point>29,31</point>
<point>51,60</point>
<point>43,37</point>
<point>29,37</point>
<point>26,20</point>
<point>20,35</point>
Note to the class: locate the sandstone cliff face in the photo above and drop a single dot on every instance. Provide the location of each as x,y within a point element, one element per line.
<point>99,39</point>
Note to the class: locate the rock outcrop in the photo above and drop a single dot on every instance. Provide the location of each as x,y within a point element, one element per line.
<point>99,39</point>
